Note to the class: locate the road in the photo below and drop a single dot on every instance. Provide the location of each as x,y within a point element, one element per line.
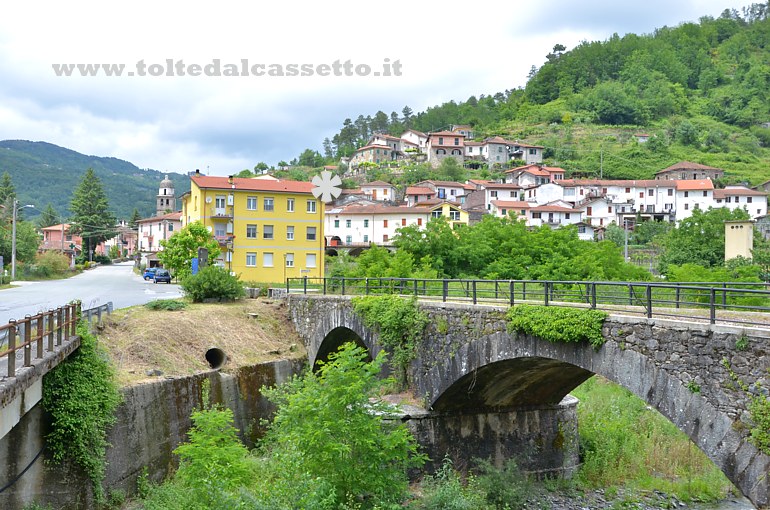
<point>117,283</point>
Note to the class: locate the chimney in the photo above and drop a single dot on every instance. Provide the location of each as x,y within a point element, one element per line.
<point>197,171</point>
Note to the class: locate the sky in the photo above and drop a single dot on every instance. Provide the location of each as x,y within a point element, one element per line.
<point>212,120</point>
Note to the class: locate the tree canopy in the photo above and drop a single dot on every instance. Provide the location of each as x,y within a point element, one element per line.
<point>92,218</point>
<point>179,249</point>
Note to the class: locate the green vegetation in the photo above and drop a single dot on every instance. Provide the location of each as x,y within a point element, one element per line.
<point>81,396</point>
<point>310,458</point>
<point>91,216</point>
<point>166,304</point>
<point>400,323</point>
<point>179,250</point>
<point>48,174</point>
<point>759,411</point>
<point>212,282</point>
<point>557,324</point>
<point>624,443</point>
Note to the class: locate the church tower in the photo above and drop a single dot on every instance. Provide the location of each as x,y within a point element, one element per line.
<point>166,199</point>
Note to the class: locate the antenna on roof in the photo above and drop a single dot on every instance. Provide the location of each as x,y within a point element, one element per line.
<point>207,170</point>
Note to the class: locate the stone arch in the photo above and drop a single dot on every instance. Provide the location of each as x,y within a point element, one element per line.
<point>481,371</point>
<point>335,339</point>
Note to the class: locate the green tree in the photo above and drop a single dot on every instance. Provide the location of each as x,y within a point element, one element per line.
<point>7,196</point>
<point>91,215</point>
<point>699,239</point>
<point>48,217</point>
<point>362,456</point>
<point>135,217</point>
<point>27,242</point>
<point>451,170</point>
<point>179,249</point>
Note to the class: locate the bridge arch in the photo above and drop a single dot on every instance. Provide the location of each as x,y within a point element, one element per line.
<point>335,339</point>
<point>472,362</point>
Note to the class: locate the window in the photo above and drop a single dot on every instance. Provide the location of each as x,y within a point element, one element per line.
<point>419,222</point>
<point>311,206</point>
<point>171,225</point>
<point>251,204</point>
<point>470,150</point>
<point>310,234</point>
<point>686,206</point>
<point>268,204</point>
<point>267,232</point>
<point>568,192</point>
<point>385,223</point>
<point>251,231</point>
<point>435,214</point>
<point>748,201</point>
<point>668,207</point>
<point>290,233</point>
<point>728,199</point>
<point>705,193</point>
<point>566,216</point>
<point>686,194</point>
<point>219,230</point>
<point>493,193</point>
<point>441,140</point>
<point>385,238</point>
<point>650,192</point>
<point>533,151</point>
<point>454,215</point>
<point>628,190</point>
<point>457,141</point>
<point>289,205</point>
<point>366,238</point>
<point>336,223</point>
<point>440,151</point>
<point>348,223</point>
<point>310,260</point>
<point>403,222</point>
<point>267,260</point>
<point>289,259</point>
<point>581,229</point>
<point>348,239</point>
<point>366,223</point>
<point>220,202</point>
<point>535,215</point>
<point>251,259</point>
<point>641,194</point>
<point>670,192</point>
<point>609,209</point>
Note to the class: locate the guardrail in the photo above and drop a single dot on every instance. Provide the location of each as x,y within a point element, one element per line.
<point>42,332</point>
<point>726,302</point>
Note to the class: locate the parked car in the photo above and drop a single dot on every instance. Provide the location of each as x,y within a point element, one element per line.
<point>162,275</point>
<point>149,273</point>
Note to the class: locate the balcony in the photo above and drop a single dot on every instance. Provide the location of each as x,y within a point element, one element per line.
<point>221,212</point>
<point>224,240</point>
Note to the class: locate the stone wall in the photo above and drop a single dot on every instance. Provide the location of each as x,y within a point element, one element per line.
<point>151,422</point>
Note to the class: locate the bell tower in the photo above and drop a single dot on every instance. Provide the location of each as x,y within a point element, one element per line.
<point>166,198</point>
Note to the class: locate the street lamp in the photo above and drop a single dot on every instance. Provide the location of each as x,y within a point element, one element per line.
<point>16,209</point>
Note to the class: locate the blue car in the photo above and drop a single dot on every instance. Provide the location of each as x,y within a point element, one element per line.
<point>149,273</point>
<point>162,275</point>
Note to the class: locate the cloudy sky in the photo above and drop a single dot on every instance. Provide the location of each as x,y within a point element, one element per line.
<point>223,124</point>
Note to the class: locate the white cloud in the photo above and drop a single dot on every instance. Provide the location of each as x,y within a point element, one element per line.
<point>227,124</point>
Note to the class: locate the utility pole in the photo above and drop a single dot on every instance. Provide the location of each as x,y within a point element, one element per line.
<point>16,209</point>
<point>625,241</point>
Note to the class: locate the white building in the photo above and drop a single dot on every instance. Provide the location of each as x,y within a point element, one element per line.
<point>363,225</point>
<point>734,197</point>
<point>379,190</point>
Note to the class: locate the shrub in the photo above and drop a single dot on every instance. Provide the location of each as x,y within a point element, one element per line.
<point>81,396</point>
<point>558,324</point>
<point>212,282</point>
<point>166,304</point>
<point>445,491</point>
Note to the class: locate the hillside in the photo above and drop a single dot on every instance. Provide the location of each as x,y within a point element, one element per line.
<point>701,90</point>
<point>44,173</point>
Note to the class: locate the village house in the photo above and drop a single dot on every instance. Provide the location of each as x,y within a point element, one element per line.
<point>688,170</point>
<point>740,197</point>
<point>451,211</point>
<point>530,154</point>
<point>445,144</point>
<point>417,194</point>
<point>533,175</point>
<point>417,139</point>
<point>151,231</point>
<point>360,226</point>
<point>556,214</point>
<point>463,129</point>
<point>268,230</point>
<point>379,191</point>
<point>510,209</point>
<point>59,238</point>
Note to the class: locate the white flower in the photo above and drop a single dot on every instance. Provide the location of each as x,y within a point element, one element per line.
<point>327,186</point>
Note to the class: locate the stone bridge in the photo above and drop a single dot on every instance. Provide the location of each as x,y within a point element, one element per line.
<point>476,379</point>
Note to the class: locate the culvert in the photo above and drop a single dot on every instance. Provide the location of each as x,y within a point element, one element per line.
<point>216,357</point>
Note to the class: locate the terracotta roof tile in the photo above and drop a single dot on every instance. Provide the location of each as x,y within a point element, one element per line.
<point>286,186</point>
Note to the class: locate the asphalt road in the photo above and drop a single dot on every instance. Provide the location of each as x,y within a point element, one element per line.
<point>117,283</point>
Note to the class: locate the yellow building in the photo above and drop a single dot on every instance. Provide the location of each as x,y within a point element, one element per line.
<point>268,230</point>
<point>452,211</point>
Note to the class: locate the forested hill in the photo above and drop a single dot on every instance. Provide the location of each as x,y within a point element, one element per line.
<point>701,89</point>
<point>43,173</point>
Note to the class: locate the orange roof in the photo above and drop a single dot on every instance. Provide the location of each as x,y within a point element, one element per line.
<point>626,183</point>
<point>169,216</point>
<point>239,183</point>
<point>732,191</point>
<point>59,227</point>
<point>687,165</point>
<point>536,169</point>
<point>553,208</point>
<point>375,209</point>
<point>447,133</point>
<point>418,190</point>
<point>511,204</point>
<point>694,184</point>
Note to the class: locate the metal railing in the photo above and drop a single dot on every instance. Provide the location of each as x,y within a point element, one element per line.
<point>28,339</point>
<point>744,303</point>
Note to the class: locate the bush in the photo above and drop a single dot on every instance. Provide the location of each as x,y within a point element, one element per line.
<point>212,282</point>
<point>557,324</point>
<point>166,304</point>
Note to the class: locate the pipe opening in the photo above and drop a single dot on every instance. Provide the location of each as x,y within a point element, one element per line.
<point>216,357</point>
